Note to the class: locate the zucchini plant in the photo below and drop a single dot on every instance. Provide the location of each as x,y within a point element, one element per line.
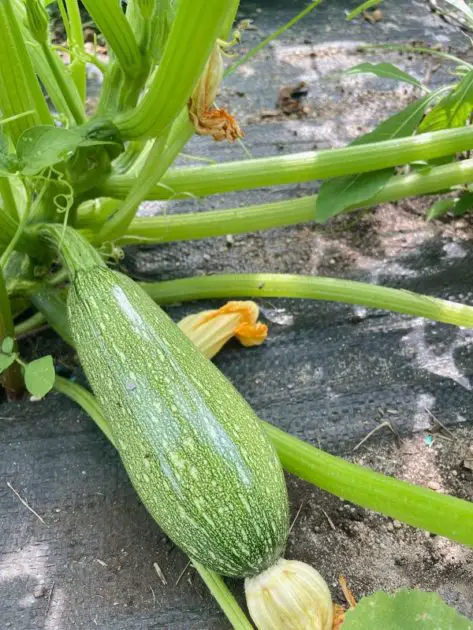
<point>71,183</point>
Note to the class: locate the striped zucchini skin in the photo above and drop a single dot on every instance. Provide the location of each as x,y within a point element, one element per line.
<point>193,448</point>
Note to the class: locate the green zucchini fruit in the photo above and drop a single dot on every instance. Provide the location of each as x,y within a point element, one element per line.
<point>192,446</point>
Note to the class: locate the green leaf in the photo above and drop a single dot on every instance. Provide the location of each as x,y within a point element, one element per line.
<point>362,7</point>
<point>406,610</point>
<point>440,207</point>
<point>6,361</point>
<point>384,70</point>
<point>453,110</point>
<point>7,345</point>
<point>464,204</point>
<point>40,376</point>
<point>338,194</point>
<point>43,146</point>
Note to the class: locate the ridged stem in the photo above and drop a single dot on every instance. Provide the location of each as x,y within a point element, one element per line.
<point>111,21</point>
<point>198,225</point>
<point>65,84</point>
<point>300,167</point>
<point>195,28</point>
<point>76,44</point>
<point>19,88</point>
<point>11,379</point>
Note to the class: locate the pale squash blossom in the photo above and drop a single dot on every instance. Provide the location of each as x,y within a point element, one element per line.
<point>210,330</point>
<point>291,595</point>
<point>207,119</point>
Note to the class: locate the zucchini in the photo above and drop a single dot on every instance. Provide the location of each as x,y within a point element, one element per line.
<point>192,446</point>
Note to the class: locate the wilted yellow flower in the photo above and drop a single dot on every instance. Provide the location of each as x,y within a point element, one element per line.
<point>291,595</point>
<point>207,119</point>
<point>210,330</point>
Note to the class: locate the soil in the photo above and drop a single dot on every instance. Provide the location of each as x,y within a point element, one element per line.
<point>329,373</point>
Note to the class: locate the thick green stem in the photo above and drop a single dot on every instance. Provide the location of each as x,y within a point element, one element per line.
<point>223,597</point>
<point>76,253</point>
<point>11,379</point>
<point>416,506</point>
<point>28,325</point>
<point>19,88</point>
<point>259,285</point>
<point>197,225</point>
<point>65,84</point>
<point>300,167</point>
<point>155,166</point>
<point>196,27</point>
<point>111,20</point>
<point>9,202</point>
<point>76,46</point>
<point>438,513</point>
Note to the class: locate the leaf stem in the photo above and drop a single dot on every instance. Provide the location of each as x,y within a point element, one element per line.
<point>264,285</point>
<point>195,28</point>
<point>197,225</point>
<point>299,167</point>
<point>438,513</point>
<point>223,597</point>
<point>65,84</point>
<point>12,379</point>
<point>111,20</point>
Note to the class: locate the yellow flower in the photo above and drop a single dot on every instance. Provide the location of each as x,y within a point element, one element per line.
<point>210,330</point>
<point>207,119</point>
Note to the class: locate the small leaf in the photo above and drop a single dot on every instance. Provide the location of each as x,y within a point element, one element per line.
<point>453,110</point>
<point>43,146</point>
<point>440,207</point>
<point>464,204</point>
<point>5,361</point>
<point>338,194</point>
<point>7,345</point>
<point>406,610</point>
<point>40,376</point>
<point>384,70</point>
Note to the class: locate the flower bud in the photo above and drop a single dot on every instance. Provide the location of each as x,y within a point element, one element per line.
<point>290,595</point>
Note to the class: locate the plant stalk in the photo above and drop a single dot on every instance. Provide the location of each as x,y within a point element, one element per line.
<point>111,20</point>
<point>197,225</point>
<point>19,88</point>
<point>11,379</point>
<point>178,70</point>
<point>265,285</point>
<point>299,167</point>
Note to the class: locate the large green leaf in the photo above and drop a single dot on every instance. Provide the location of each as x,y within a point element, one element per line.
<point>43,146</point>
<point>453,110</point>
<point>338,194</point>
<point>384,70</point>
<point>406,610</point>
